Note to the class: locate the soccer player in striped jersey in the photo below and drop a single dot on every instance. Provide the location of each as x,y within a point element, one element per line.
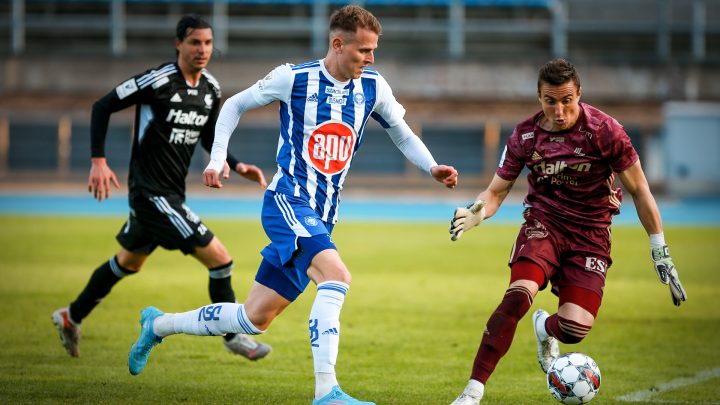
<point>324,108</point>
<point>177,105</point>
<point>573,152</point>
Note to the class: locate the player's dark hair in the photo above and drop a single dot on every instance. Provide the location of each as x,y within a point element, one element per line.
<point>349,18</point>
<point>556,72</point>
<point>187,24</point>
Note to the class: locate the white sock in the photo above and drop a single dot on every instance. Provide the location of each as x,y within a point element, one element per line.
<point>210,320</point>
<point>540,326</point>
<point>324,383</point>
<point>475,389</point>
<point>324,328</point>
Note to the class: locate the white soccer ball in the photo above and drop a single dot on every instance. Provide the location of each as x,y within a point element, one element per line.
<point>573,378</point>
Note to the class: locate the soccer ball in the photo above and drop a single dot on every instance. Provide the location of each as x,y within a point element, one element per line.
<point>573,378</point>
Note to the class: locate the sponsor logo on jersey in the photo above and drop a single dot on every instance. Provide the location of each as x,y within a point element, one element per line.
<point>559,166</point>
<point>313,98</point>
<point>337,100</point>
<point>557,139</point>
<point>127,88</point>
<point>208,101</point>
<point>191,118</point>
<point>579,152</point>
<point>176,98</point>
<point>527,135</point>
<point>184,136</point>
<point>595,264</point>
<point>337,92</point>
<point>535,156</point>
<point>192,92</point>
<point>330,146</point>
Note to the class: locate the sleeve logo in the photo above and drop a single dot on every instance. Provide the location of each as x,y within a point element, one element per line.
<point>127,88</point>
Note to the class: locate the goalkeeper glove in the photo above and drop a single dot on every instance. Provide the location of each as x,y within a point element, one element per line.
<point>466,218</point>
<point>667,273</point>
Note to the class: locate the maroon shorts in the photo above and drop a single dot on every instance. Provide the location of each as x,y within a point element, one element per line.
<point>570,255</point>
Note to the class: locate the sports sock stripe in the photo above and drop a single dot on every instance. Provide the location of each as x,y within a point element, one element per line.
<point>245,324</point>
<point>334,286</point>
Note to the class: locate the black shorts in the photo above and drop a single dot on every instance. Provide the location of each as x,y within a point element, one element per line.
<point>162,221</point>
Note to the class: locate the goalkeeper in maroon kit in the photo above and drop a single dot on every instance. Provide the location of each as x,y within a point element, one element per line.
<point>573,152</point>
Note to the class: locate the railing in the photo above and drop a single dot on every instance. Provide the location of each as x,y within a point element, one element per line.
<point>467,29</point>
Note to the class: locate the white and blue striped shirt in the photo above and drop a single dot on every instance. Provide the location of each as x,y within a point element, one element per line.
<point>322,121</point>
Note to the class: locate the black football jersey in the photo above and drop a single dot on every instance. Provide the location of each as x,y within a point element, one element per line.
<point>171,117</point>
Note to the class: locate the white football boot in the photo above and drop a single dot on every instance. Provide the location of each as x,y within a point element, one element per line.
<point>471,395</point>
<point>548,348</point>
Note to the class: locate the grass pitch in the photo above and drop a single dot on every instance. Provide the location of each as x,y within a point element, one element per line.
<point>411,323</point>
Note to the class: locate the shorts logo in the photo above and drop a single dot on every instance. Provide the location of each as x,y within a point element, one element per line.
<point>310,221</point>
<point>595,264</point>
<point>536,231</point>
<point>330,147</point>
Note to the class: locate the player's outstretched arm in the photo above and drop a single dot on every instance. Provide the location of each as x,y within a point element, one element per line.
<point>100,179</point>
<point>484,206</point>
<point>634,181</point>
<point>665,269</point>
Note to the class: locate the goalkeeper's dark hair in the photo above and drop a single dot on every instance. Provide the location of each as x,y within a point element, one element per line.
<point>556,72</point>
<point>187,24</point>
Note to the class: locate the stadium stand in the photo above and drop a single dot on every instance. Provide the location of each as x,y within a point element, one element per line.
<point>448,60</point>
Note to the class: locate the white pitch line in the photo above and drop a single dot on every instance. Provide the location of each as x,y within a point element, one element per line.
<point>644,395</point>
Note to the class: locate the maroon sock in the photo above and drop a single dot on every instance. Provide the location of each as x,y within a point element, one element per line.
<point>565,330</point>
<point>499,332</point>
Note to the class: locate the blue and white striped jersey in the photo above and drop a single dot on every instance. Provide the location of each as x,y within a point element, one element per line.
<point>322,122</point>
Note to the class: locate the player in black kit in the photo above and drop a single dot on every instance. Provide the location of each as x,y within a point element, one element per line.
<point>176,107</point>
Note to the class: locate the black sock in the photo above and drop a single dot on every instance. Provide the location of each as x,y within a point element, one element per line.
<point>99,285</point>
<point>220,288</point>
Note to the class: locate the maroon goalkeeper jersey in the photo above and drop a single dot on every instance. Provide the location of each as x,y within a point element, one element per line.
<point>572,172</point>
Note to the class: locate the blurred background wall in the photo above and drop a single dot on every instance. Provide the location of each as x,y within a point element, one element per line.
<point>466,71</point>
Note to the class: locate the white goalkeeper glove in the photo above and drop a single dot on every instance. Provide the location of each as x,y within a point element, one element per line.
<point>465,219</point>
<point>667,273</point>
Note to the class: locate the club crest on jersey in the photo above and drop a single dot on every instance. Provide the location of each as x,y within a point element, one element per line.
<point>330,146</point>
<point>359,98</point>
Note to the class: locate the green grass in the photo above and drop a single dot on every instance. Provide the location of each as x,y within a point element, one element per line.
<point>411,322</point>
